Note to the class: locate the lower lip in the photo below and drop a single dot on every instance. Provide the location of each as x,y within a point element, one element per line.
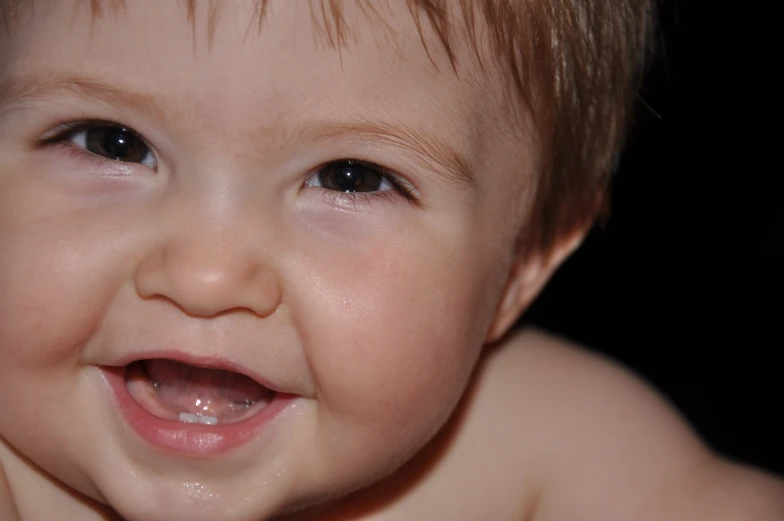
<point>190,439</point>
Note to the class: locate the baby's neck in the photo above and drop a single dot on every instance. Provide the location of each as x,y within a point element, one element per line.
<point>29,493</point>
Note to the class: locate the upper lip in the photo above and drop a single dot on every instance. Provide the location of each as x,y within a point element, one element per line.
<point>206,362</point>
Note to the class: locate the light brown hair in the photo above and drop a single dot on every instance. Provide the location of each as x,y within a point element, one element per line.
<point>574,65</point>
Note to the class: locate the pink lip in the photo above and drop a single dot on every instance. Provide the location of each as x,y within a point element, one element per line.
<point>190,439</point>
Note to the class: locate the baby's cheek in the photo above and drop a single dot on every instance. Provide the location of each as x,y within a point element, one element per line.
<point>34,331</point>
<point>392,347</point>
<point>52,292</point>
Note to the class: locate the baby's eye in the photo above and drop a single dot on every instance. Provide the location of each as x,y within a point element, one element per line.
<point>113,142</point>
<point>349,175</point>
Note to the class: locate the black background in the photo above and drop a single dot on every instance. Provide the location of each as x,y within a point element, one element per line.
<point>683,282</point>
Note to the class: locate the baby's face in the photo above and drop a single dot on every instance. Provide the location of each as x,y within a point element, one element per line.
<point>244,228</point>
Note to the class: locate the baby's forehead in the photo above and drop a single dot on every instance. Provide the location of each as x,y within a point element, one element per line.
<point>442,28</point>
<point>355,72</point>
<point>448,36</point>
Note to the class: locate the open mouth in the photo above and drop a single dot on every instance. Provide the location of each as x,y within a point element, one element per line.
<point>177,391</point>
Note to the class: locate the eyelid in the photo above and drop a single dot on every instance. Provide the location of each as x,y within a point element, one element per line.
<point>64,130</point>
<point>399,184</point>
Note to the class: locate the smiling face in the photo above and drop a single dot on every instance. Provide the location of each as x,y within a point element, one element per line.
<point>337,225</point>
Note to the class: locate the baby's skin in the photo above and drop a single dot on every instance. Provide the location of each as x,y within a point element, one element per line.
<point>247,275</point>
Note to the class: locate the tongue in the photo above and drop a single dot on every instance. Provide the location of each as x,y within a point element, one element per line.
<point>203,392</point>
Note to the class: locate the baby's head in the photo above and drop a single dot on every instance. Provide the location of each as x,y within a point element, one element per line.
<point>341,201</point>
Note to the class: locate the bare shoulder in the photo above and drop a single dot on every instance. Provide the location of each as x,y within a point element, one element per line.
<point>607,445</point>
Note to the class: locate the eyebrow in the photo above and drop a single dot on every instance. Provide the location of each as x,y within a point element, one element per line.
<point>430,152</point>
<point>436,155</point>
<point>15,92</point>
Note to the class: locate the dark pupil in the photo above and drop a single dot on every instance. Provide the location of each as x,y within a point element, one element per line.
<point>348,176</point>
<point>116,143</point>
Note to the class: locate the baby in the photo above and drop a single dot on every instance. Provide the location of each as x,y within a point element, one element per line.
<point>260,260</point>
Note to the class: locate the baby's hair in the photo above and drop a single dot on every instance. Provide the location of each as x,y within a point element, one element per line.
<point>573,65</point>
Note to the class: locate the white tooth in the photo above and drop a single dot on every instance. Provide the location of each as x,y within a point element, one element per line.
<point>208,420</point>
<point>188,418</point>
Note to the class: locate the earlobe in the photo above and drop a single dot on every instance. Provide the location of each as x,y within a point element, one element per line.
<point>527,277</point>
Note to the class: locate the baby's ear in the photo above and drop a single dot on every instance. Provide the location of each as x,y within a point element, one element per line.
<point>527,276</point>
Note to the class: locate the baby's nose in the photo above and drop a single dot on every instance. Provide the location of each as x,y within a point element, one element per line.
<point>205,275</point>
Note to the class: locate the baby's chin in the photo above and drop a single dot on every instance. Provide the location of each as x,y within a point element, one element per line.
<point>140,493</point>
<point>172,500</point>
<point>253,495</point>
<point>166,499</point>
<point>157,487</point>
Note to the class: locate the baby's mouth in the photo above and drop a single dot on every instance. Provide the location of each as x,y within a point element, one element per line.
<point>181,392</point>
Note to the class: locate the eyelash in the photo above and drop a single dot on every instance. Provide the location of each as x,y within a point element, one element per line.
<point>366,198</point>
<point>62,132</point>
<point>399,187</point>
